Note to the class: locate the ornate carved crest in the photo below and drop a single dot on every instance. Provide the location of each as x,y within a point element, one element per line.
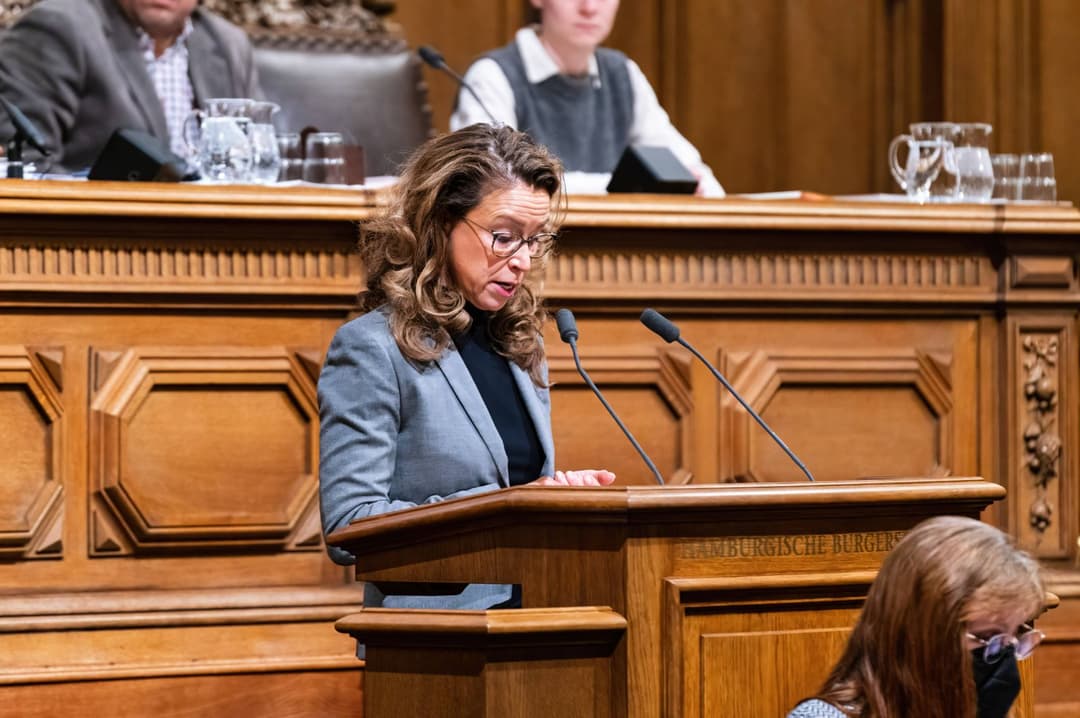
<point>11,9</point>
<point>352,17</point>
<point>321,24</point>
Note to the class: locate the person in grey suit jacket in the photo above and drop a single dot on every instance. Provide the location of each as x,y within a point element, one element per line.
<point>80,69</point>
<point>440,390</point>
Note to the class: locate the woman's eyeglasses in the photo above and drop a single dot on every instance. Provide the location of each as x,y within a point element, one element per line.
<point>995,647</point>
<point>507,244</point>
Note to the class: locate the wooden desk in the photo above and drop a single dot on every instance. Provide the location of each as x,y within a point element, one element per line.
<point>161,344</point>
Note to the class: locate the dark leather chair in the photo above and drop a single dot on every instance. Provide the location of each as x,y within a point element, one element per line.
<point>375,96</point>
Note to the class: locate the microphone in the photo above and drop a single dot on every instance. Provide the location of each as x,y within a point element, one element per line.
<point>24,132</point>
<point>435,59</point>
<point>564,320</point>
<point>667,330</point>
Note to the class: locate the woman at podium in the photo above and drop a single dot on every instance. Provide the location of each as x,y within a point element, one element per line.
<point>439,390</point>
<point>945,622</point>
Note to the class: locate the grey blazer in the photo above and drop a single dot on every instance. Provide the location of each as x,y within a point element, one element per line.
<point>75,69</point>
<point>395,435</point>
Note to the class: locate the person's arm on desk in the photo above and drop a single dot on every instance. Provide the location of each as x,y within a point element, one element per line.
<point>652,126</point>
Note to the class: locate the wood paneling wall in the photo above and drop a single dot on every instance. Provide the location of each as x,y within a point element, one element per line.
<point>781,94</point>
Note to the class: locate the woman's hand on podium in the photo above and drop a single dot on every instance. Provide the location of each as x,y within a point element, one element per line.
<point>582,477</point>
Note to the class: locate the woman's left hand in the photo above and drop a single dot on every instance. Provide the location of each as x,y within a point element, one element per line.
<point>582,477</point>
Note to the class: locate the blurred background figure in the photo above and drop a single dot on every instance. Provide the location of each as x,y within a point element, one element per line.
<point>945,622</point>
<point>80,69</point>
<point>587,103</point>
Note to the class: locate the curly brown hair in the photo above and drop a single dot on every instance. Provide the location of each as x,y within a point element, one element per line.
<point>405,250</point>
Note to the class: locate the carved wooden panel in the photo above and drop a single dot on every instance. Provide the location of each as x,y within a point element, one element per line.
<point>651,394</point>
<point>845,414</point>
<point>31,444</point>
<point>1042,461</point>
<point>198,448</point>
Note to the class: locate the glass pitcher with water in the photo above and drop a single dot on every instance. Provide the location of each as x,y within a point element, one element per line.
<point>265,157</point>
<point>942,188</point>
<point>217,136</point>
<point>974,168</point>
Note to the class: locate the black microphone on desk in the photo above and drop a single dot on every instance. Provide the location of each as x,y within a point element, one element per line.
<point>564,320</point>
<point>667,331</point>
<point>434,58</point>
<point>24,132</point>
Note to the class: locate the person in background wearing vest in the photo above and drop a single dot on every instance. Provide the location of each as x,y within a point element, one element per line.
<point>585,102</point>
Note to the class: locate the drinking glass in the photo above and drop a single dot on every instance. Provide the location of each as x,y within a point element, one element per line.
<point>1006,176</point>
<point>1037,180</point>
<point>324,158</point>
<point>265,159</point>
<point>292,156</point>
<point>925,164</point>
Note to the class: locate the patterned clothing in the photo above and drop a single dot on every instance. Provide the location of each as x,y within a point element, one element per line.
<point>172,83</point>
<point>815,708</point>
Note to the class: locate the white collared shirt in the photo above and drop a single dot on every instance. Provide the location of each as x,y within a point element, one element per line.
<point>172,83</point>
<point>650,124</point>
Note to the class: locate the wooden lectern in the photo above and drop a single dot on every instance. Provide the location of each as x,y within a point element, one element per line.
<point>688,601</point>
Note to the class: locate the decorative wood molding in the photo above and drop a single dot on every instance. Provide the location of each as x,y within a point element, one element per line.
<point>125,268</point>
<point>312,363</point>
<point>656,273</point>
<point>1042,272</point>
<point>156,404</point>
<point>32,520</point>
<point>1042,443</point>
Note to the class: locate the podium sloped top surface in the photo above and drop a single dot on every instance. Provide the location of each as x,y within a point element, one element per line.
<point>657,504</point>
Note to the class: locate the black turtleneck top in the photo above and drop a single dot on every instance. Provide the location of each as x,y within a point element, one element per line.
<point>491,373</point>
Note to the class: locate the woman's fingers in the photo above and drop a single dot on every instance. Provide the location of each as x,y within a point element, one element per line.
<point>582,477</point>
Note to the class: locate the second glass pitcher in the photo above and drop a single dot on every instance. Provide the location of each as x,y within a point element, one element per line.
<point>974,168</point>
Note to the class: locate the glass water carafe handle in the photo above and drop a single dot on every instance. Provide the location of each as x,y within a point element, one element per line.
<point>897,169</point>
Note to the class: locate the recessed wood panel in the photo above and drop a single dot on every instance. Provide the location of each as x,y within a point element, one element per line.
<point>283,695</point>
<point>197,445</point>
<point>784,666</point>
<point>649,392</point>
<point>26,466</point>
<point>871,431</point>
<point>847,414</point>
<point>247,463</point>
<point>31,491</point>
<point>587,437</point>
